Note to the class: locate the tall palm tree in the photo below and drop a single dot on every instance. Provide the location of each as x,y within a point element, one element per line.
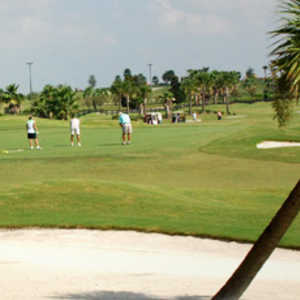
<point>202,79</point>
<point>287,58</point>
<point>128,90</point>
<point>167,100</point>
<point>230,81</point>
<point>262,249</point>
<point>144,92</point>
<point>286,62</point>
<point>216,78</point>
<point>116,90</point>
<point>95,96</point>
<point>265,68</point>
<point>287,50</point>
<point>189,86</point>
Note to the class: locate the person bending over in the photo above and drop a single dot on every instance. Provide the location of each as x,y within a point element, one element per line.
<point>125,123</point>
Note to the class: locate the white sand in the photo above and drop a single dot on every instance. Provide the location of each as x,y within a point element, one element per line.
<point>273,144</point>
<point>112,265</point>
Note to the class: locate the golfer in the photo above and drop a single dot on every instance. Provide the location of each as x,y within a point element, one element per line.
<point>32,132</point>
<point>125,123</point>
<point>75,130</point>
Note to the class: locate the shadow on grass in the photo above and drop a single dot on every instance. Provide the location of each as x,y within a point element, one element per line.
<point>123,296</point>
<point>67,145</point>
<point>109,144</point>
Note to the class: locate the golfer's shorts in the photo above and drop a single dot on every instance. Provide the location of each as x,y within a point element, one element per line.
<point>75,131</point>
<point>31,136</point>
<point>127,128</point>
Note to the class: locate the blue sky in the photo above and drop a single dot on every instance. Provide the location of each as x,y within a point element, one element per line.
<point>68,40</point>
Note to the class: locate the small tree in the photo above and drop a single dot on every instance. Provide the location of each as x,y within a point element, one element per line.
<point>11,97</point>
<point>96,97</point>
<point>176,90</point>
<point>155,80</point>
<point>250,73</point>
<point>168,76</point>
<point>92,81</point>
<point>116,90</point>
<point>167,100</point>
<point>55,102</point>
<point>250,84</point>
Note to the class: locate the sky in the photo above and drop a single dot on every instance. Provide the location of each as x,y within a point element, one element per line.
<point>69,40</point>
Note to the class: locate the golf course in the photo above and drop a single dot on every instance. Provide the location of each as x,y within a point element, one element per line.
<point>204,179</point>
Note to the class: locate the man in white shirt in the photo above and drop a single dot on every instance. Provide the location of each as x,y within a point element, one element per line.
<point>75,130</point>
<point>125,123</point>
<point>32,132</point>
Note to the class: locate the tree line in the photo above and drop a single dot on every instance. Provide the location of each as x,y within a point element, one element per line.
<point>132,91</point>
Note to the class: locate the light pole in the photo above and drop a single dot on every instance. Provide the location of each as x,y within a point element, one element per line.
<point>150,74</point>
<point>265,68</point>
<point>30,83</point>
<point>150,83</point>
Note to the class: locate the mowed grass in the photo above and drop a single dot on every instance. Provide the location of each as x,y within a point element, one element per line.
<point>201,179</point>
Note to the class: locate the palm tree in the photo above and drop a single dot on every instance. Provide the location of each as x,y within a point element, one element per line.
<point>230,80</point>
<point>66,101</point>
<point>216,85</point>
<point>286,61</point>
<point>92,81</point>
<point>144,92</point>
<point>250,84</point>
<point>1,98</point>
<point>287,50</point>
<point>189,85</point>
<point>167,100</point>
<point>204,83</point>
<point>116,90</point>
<point>265,68</point>
<point>262,249</point>
<point>55,102</point>
<point>140,92</point>
<point>128,89</point>
<point>11,96</point>
<point>167,76</point>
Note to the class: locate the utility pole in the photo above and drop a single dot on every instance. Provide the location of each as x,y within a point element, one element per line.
<point>30,83</point>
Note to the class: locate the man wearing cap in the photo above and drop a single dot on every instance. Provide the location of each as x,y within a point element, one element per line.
<point>125,123</point>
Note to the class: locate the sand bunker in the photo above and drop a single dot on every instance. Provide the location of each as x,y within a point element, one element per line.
<point>122,265</point>
<point>274,144</point>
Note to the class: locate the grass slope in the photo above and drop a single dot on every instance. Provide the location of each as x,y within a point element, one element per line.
<point>202,179</point>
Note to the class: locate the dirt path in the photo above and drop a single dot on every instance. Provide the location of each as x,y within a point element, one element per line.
<point>113,265</point>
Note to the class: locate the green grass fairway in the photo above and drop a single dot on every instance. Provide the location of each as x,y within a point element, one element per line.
<point>202,179</point>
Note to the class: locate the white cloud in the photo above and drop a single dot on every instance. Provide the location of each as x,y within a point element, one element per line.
<point>36,23</point>
<point>185,21</point>
<point>207,17</point>
<point>102,36</point>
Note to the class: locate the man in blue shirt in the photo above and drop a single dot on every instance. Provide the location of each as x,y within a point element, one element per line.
<point>126,126</point>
